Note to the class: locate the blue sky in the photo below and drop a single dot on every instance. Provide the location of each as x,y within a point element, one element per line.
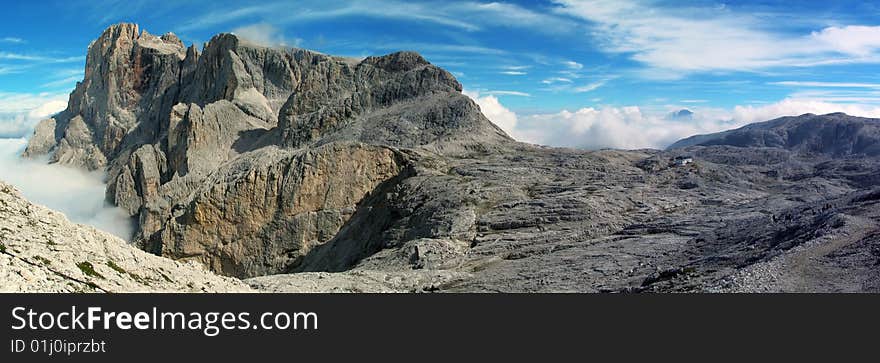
<point>568,73</point>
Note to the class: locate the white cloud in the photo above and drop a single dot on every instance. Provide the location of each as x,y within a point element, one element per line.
<point>436,47</point>
<point>11,69</point>
<point>69,81</point>
<point>227,15</point>
<point>503,117</point>
<point>19,112</point>
<point>826,84</point>
<point>633,128</point>
<point>505,14</point>
<point>686,39</point>
<point>47,109</point>
<point>507,93</point>
<point>795,106</point>
<point>589,87</point>
<point>467,16</point>
<point>514,73</point>
<point>39,58</point>
<point>16,56</point>
<point>264,34</point>
<point>77,194</point>
<point>573,65</point>
<point>494,111</point>
<point>609,127</point>
<point>552,80</point>
<point>286,13</point>
<point>12,40</point>
<point>853,39</point>
<point>562,84</point>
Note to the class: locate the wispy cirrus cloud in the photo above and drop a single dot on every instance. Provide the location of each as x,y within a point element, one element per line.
<point>468,16</point>
<point>11,69</point>
<point>507,93</point>
<point>442,48</point>
<point>675,41</point>
<point>816,84</point>
<point>573,65</point>
<point>838,92</point>
<point>69,81</point>
<point>286,12</point>
<point>552,80</point>
<point>589,87</point>
<point>13,40</point>
<point>562,84</point>
<point>39,58</point>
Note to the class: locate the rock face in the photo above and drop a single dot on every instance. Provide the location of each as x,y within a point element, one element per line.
<point>244,157</point>
<point>127,76</point>
<point>40,251</point>
<point>336,174</point>
<point>265,211</point>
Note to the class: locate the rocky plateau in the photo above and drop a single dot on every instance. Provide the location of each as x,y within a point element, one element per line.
<point>296,171</point>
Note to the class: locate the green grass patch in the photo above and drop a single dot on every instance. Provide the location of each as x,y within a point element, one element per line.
<point>2,248</point>
<point>88,269</point>
<point>43,260</point>
<point>116,267</point>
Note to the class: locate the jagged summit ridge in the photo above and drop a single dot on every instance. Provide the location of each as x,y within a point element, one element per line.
<point>134,79</point>
<point>164,119</point>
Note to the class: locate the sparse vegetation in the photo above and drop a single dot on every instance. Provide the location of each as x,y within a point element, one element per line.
<point>164,276</point>
<point>116,267</point>
<point>89,270</point>
<point>121,270</point>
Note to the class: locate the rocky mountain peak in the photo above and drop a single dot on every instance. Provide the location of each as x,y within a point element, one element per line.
<point>400,61</point>
<point>682,114</point>
<point>174,126</point>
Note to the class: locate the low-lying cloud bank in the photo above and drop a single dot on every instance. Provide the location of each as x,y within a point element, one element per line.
<point>20,112</point>
<point>633,128</point>
<point>77,194</point>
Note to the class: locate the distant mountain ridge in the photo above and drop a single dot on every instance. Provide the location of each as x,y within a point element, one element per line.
<point>834,134</point>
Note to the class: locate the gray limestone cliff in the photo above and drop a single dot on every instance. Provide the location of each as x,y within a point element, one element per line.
<point>245,157</point>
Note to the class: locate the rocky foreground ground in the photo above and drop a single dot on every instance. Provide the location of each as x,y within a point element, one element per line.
<point>41,251</point>
<point>297,171</point>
